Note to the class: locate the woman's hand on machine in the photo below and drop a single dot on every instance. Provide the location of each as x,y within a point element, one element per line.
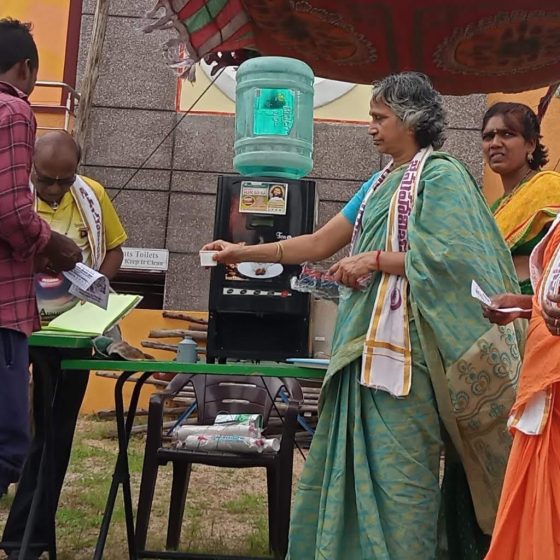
<point>228,253</point>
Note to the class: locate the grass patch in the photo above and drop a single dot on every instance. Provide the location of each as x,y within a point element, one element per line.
<point>226,509</point>
<point>248,504</point>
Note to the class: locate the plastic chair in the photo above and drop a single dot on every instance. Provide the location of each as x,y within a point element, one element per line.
<point>222,394</point>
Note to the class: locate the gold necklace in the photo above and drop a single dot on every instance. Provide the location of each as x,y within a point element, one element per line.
<point>69,225</point>
<point>506,198</point>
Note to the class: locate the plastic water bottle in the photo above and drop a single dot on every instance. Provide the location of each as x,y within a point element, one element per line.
<point>274,118</point>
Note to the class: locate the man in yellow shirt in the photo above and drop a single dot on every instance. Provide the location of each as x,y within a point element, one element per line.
<point>74,206</point>
<point>80,209</point>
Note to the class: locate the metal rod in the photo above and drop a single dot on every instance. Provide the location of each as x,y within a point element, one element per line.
<point>121,474</point>
<point>121,465</point>
<point>72,99</point>
<point>63,85</point>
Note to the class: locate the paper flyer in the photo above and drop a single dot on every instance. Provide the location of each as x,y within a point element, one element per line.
<point>478,293</point>
<point>88,285</point>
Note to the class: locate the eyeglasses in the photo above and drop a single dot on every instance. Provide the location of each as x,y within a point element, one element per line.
<point>65,182</point>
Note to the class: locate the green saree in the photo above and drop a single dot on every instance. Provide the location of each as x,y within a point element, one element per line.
<point>370,487</point>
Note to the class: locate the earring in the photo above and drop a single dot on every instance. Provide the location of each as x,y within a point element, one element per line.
<point>530,158</point>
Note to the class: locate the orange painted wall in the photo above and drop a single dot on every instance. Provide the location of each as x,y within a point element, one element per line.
<point>50,19</point>
<point>135,328</point>
<point>50,29</point>
<point>550,130</point>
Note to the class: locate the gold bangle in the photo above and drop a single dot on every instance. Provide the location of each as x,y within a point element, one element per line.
<point>279,252</point>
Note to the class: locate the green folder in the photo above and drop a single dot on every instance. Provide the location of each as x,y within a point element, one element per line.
<point>90,319</point>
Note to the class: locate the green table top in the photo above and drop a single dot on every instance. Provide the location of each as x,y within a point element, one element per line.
<point>48,339</point>
<point>265,370</point>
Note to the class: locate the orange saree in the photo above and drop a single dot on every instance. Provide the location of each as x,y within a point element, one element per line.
<point>528,522</point>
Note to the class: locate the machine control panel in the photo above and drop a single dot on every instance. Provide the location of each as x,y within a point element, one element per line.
<point>255,292</point>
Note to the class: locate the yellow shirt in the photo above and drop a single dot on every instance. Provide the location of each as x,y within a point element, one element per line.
<point>66,219</point>
<point>52,292</point>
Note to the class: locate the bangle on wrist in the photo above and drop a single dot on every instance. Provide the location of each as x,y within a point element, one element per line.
<point>279,252</point>
<point>377,259</point>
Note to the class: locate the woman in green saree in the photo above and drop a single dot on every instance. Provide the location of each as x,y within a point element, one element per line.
<point>411,351</point>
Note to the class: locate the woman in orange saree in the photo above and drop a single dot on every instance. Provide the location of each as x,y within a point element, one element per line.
<point>528,521</point>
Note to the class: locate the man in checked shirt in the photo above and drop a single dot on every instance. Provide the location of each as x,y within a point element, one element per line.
<point>26,243</point>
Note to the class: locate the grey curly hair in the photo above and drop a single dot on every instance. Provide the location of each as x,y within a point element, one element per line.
<point>411,96</point>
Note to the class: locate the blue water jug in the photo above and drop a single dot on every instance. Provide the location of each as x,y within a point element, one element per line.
<point>274,118</point>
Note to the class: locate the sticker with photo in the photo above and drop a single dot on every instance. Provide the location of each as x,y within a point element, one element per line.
<point>258,197</point>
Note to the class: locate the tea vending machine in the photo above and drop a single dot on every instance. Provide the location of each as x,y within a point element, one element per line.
<point>254,314</point>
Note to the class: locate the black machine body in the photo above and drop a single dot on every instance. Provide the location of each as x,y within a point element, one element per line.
<point>254,312</point>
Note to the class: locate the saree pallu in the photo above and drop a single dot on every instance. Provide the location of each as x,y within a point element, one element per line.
<point>528,211</point>
<point>528,523</point>
<point>524,216</point>
<point>369,489</point>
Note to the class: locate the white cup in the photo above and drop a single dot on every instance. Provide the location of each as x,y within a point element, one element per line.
<point>206,258</point>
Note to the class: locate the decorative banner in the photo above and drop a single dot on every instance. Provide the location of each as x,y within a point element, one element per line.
<point>465,47</point>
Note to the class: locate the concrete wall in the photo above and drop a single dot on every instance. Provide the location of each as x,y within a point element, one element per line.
<point>170,204</point>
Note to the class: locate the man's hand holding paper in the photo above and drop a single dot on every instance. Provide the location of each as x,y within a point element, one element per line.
<point>88,285</point>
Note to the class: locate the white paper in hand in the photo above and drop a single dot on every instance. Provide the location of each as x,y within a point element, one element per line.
<point>478,293</point>
<point>88,285</point>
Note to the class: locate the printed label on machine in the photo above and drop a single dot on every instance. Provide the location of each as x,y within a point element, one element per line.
<point>258,197</point>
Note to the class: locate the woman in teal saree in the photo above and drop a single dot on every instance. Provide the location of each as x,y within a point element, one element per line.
<point>411,352</point>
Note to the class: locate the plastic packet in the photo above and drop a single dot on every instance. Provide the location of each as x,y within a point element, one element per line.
<point>322,285</point>
<point>230,443</point>
<point>251,419</point>
<point>243,425</point>
<point>245,430</point>
<point>316,281</point>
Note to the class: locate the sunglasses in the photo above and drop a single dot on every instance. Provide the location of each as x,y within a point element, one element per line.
<point>49,181</point>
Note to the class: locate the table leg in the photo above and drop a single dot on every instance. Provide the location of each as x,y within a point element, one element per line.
<point>121,474</point>
<point>45,467</point>
<point>127,493</point>
<point>30,525</point>
<point>50,468</point>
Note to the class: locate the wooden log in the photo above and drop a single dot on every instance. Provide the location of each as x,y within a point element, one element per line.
<point>91,73</point>
<point>183,400</point>
<point>168,347</point>
<point>187,392</point>
<point>110,412</point>
<point>141,428</point>
<point>150,381</point>
<point>178,333</point>
<point>185,397</point>
<point>184,317</point>
<point>198,327</point>
<point>159,345</point>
